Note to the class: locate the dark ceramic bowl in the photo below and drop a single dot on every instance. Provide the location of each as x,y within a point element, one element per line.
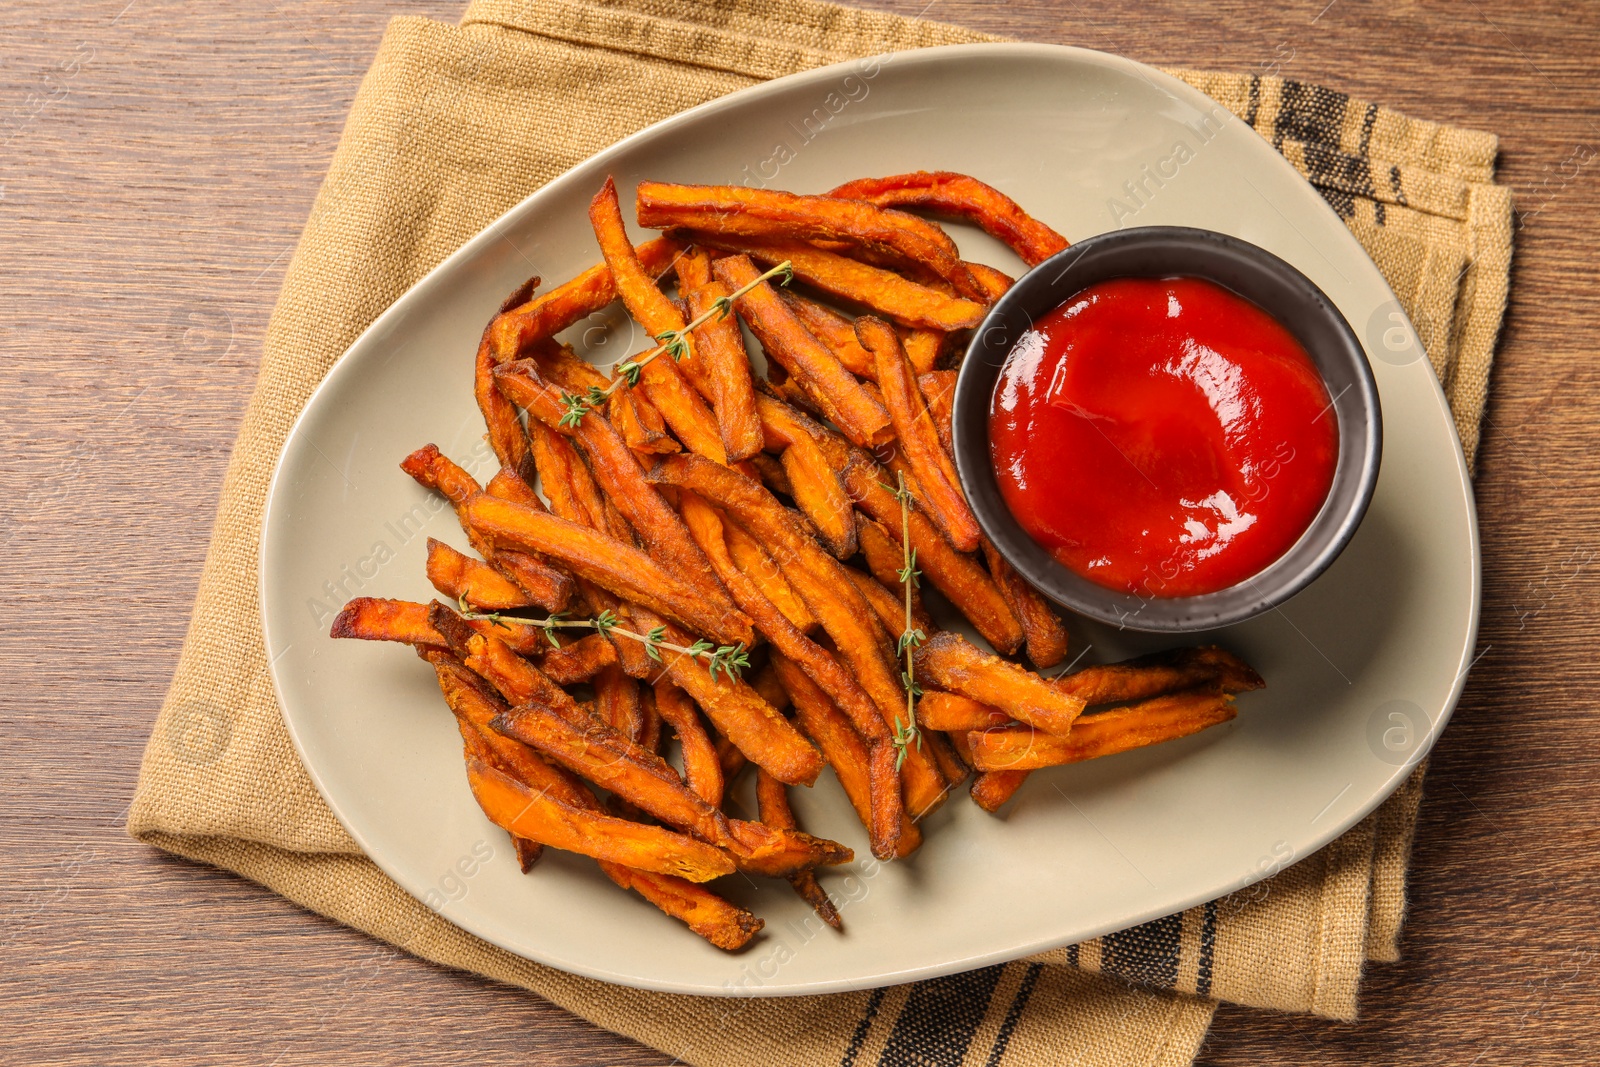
<point>1253,273</point>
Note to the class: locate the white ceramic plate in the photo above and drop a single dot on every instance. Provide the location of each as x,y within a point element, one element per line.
<point>1362,668</point>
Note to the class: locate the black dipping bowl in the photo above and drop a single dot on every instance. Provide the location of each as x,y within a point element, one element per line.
<point>1258,276</point>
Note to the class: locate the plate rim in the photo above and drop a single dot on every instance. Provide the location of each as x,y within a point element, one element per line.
<point>490,232</point>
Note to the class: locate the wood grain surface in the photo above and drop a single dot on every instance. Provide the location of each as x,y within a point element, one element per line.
<point>160,159</point>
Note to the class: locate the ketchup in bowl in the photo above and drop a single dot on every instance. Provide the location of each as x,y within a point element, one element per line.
<point>1162,437</point>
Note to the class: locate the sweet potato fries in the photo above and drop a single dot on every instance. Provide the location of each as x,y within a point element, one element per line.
<point>687,548</point>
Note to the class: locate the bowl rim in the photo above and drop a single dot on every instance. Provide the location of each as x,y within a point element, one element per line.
<point>1227,261</point>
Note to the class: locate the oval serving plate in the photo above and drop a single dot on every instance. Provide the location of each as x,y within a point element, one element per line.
<point>1362,668</point>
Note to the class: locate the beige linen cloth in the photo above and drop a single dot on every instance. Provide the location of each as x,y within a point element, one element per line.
<point>455,124</point>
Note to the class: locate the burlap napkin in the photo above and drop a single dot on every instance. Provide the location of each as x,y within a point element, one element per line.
<point>455,124</point>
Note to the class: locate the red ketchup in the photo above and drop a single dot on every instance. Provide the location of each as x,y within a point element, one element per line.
<point>1163,437</point>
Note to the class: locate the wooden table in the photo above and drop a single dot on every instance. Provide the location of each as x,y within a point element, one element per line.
<point>160,161</point>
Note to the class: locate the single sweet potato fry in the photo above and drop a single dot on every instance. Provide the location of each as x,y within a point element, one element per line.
<point>951,662</point>
<point>368,618</point>
<point>538,817</point>
<point>723,364</point>
<point>754,563</point>
<point>941,495</point>
<point>725,925</point>
<point>951,766</point>
<point>815,487</point>
<point>661,381</point>
<point>772,799</point>
<point>508,484</point>
<point>768,213</point>
<point>954,713</point>
<point>1046,637</point>
<point>739,713</point>
<point>888,605</point>
<point>617,470</point>
<point>701,767</point>
<point>506,436</point>
<point>460,577</point>
<point>1161,673</point>
<point>1163,718</point>
<point>866,774</point>
<point>948,193</point>
<point>612,565</point>
<point>513,332</point>
<point>994,283</point>
<point>834,389</point>
<point>834,330</point>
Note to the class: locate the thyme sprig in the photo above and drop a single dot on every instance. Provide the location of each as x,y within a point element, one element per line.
<point>729,660</point>
<point>674,343</point>
<point>906,733</point>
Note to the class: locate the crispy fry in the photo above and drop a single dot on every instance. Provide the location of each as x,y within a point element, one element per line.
<point>990,789</point>
<point>368,618</point>
<point>885,292</point>
<point>754,563</point>
<point>1046,637</point>
<point>768,213</point>
<point>538,817</point>
<point>506,436</point>
<point>617,470</point>
<point>513,332</point>
<point>834,389</point>
<point>1163,718</point>
<point>953,663</point>
<point>955,713</point>
<point>769,472</point>
<point>939,390</point>
<point>580,661</point>
<point>941,495</point>
<point>817,492</point>
<point>610,564</point>
<point>948,193</point>
<point>661,381</point>
<point>834,330</point>
<point>721,359</point>
<point>733,761</point>
<point>459,577</point>
<point>739,713</point>
<point>725,925</point>
<point>1160,673</point>
<point>772,798</point>
<point>865,774</point>
<point>701,767</point>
